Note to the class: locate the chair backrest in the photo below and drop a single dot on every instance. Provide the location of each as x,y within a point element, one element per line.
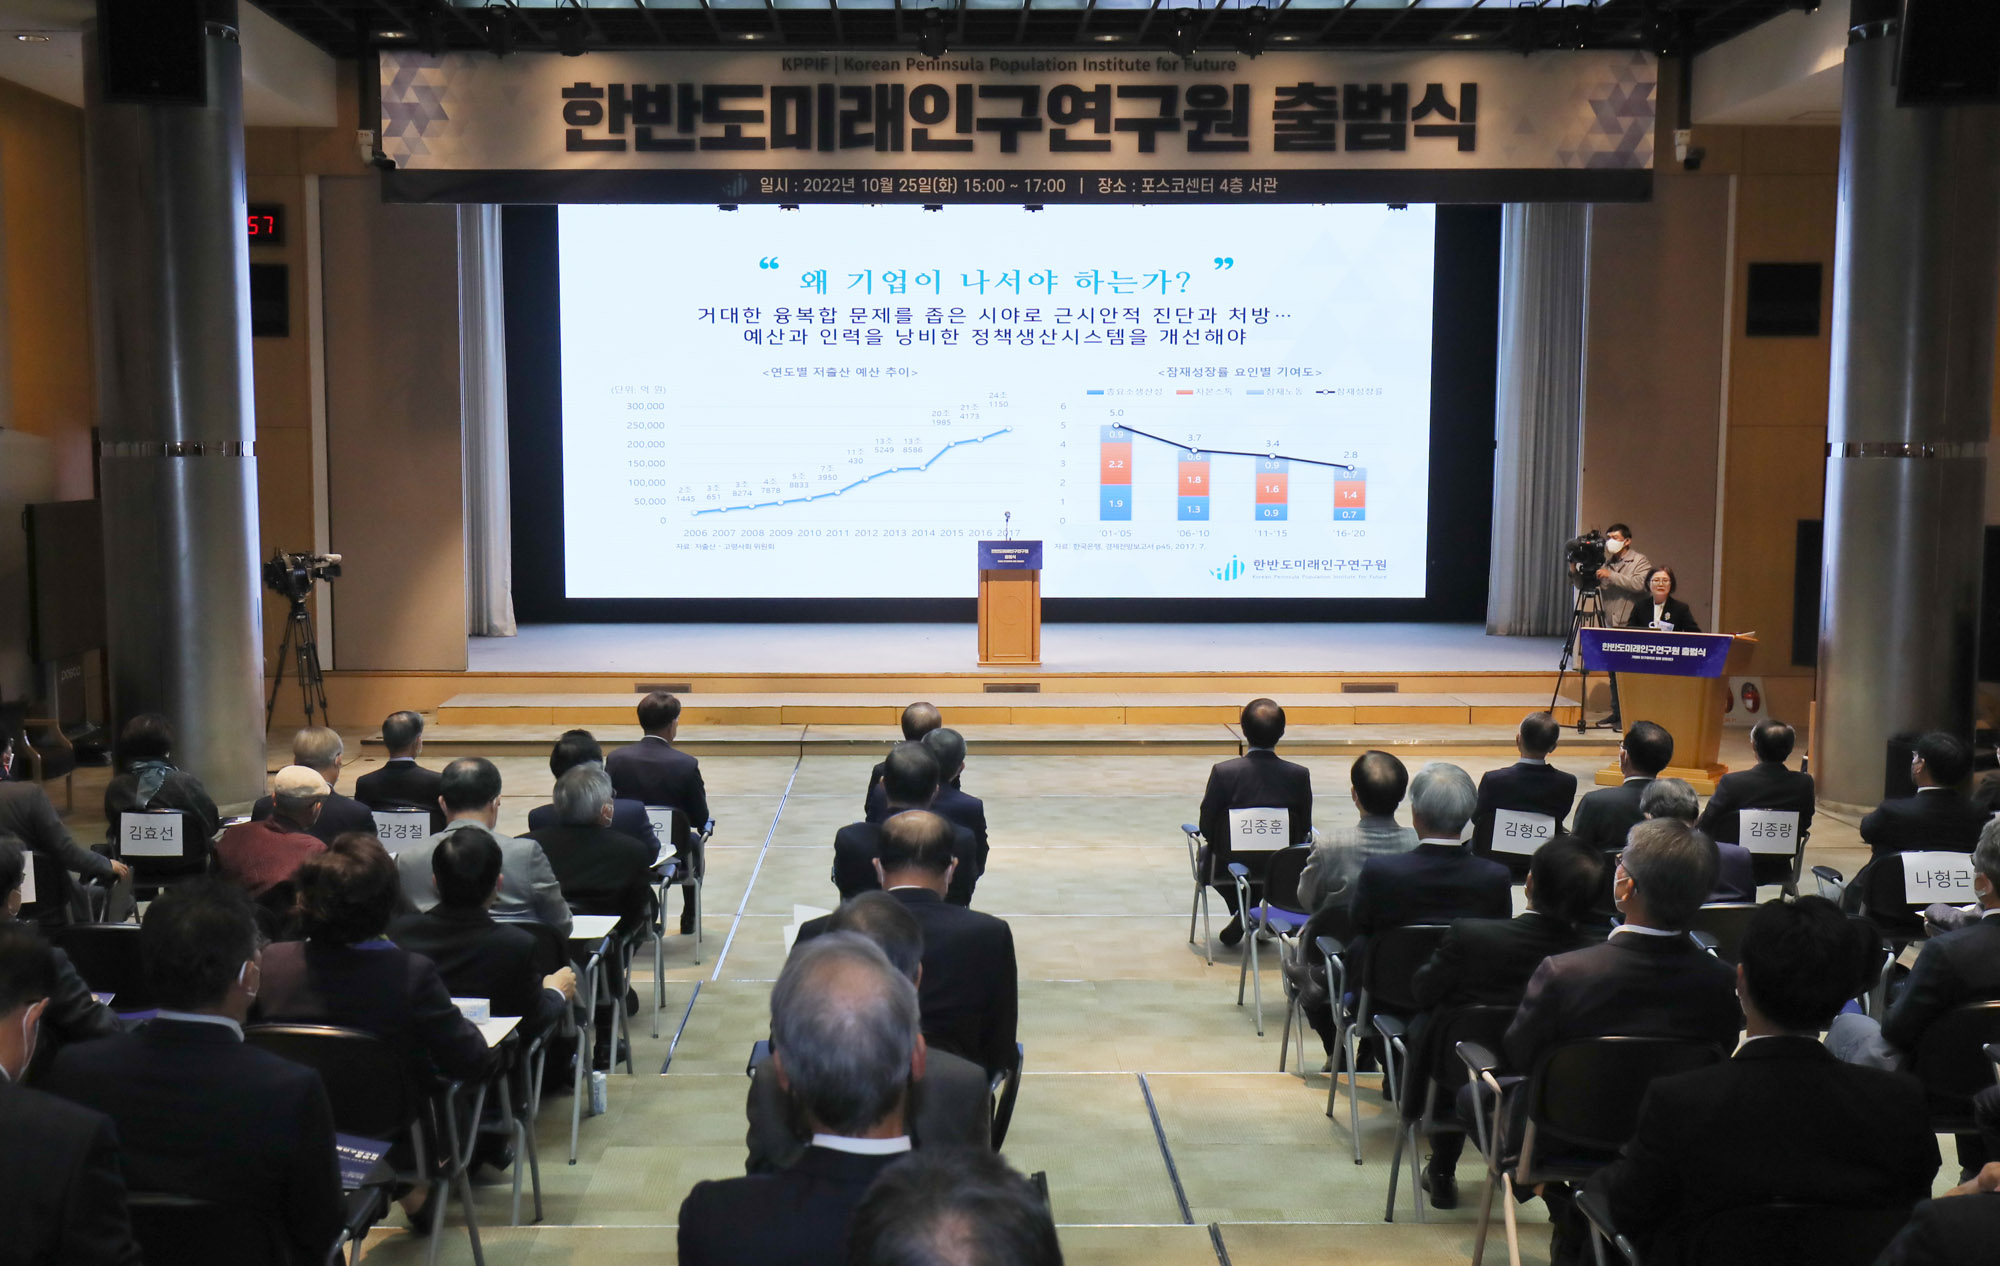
<point>183,1231</point>
<point>1951,1057</point>
<point>1588,1092</point>
<point>1266,828</point>
<point>398,827</point>
<point>552,951</point>
<point>366,1082</point>
<point>1726,921</point>
<point>670,825</point>
<point>1281,879</point>
<point>1825,1235</point>
<point>1394,955</point>
<point>1485,1024</point>
<point>161,841</point>
<point>44,889</point>
<point>1006,1088</point>
<point>109,958</point>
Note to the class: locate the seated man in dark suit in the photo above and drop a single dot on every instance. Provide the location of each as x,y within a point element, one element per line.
<point>1735,877</point>
<point>401,783</point>
<point>1487,962</point>
<point>965,1199</point>
<point>198,1113</point>
<point>910,777</point>
<point>1939,816</point>
<point>65,1194</point>
<point>260,855</point>
<point>1437,881</point>
<point>628,817</point>
<point>1529,785</point>
<point>1605,815</point>
<point>953,1101</point>
<point>601,870</point>
<point>1953,969</point>
<point>1766,785</point>
<point>1783,1120</point>
<point>951,802</point>
<point>320,749</point>
<point>655,772</point>
<point>918,720</point>
<point>1258,779</point>
<point>845,1048</point>
<point>971,991</point>
<point>73,1013</point>
<point>1951,1232</point>
<point>27,815</point>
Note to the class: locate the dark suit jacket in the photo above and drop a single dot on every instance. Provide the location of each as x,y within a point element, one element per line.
<point>857,845</point>
<point>73,1015</point>
<point>339,815</point>
<point>403,784</point>
<point>1783,1120</point>
<point>950,803</point>
<point>970,992</point>
<point>1524,788</point>
<point>1960,1231</point>
<point>1736,879</point>
<point>1940,820</point>
<point>376,987</point>
<point>1958,967</point>
<point>652,771</point>
<point>1432,883</point>
<point>181,790</point>
<point>1605,815</point>
<point>1676,614</point>
<point>1256,780</point>
<point>954,1108</point>
<point>628,817</point>
<point>1633,985</point>
<point>27,815</point>
<point>1765,785</point>
<point>65,1194</point>
<point>795,1217</point>
<point>600,870</point>
<point>201,1114</point>
<point>477,956</point>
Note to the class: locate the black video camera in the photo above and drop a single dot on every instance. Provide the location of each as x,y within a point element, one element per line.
<point>291,576</point>
<point>1583,556</point>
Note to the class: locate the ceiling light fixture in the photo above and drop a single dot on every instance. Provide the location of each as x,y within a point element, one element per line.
<point>32,39</point>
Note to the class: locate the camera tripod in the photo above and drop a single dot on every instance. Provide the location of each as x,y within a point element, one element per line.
<point>1588,613</point>
<point>299,639</point>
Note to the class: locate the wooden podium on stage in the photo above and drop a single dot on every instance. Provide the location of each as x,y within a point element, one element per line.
<point>1675,680</point>
<point>1010,602</point>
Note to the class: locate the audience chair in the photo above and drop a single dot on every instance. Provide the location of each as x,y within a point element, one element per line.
<point>108,957</point>
<point>374,1095</point>
<point>1201,865</point>
<point>1757,1235</point>
<point>45,758</point>
<point>154,870</point>
<point>1484,1025</point>
<point>45,874</point>
<point>677,835</point>
<point>518,1084</point>
<point>1392,960</point>
<point>590,985</point>
<point>1281,875</point>
<point>1724,923</point>
<point>1877,893</point>
<point>1006,1088</point>
<point>175,1230</point>
<point>1953,1063</point>
<point>1584,1096</point>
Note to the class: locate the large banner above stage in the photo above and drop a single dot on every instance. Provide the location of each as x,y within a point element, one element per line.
<point>1018,127</point>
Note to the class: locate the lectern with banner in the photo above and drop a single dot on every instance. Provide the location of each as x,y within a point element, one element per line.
<point>1010,602</point>
<point>1674,680</point>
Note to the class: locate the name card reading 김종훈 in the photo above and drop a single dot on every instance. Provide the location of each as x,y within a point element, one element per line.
<point>1260,828</point>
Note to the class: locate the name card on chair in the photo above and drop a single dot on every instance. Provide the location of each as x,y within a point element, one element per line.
<point>28,880</point>
<point>1934,877</point>
<point>662,818</point>
<point>1769,830</point>
<point>1260,828</point>
<point>400,828</point>
<point>1521,833</point>
<point>153,834</point>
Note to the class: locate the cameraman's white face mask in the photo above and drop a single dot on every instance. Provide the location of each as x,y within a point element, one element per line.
<point>1614,546</point>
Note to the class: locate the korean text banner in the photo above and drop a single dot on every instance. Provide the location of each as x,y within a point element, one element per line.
<point>663,126</point>
<point>1663,654</point>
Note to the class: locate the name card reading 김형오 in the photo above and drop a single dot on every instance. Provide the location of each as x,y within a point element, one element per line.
<point>1521,833</point>
<point>1255,828</point>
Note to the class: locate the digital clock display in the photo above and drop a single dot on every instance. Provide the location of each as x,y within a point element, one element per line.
<point>267,224</point>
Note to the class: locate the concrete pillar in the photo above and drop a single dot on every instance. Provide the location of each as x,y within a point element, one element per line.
<point>1914,293</point>
<point>170,274</point>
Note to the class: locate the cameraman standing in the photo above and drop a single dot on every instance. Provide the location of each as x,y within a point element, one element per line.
<point>1621,582</point>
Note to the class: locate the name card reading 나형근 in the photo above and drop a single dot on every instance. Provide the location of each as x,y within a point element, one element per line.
<point>1010,555</point>
<point>1937,877</point>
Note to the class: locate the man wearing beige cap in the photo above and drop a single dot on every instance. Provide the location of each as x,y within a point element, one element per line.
<point>261,855</point>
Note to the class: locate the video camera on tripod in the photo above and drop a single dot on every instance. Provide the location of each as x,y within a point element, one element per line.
<point>1582,557</point>
<point>291,577</point>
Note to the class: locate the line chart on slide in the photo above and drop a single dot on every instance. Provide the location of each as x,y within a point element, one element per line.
<point>865,479</point>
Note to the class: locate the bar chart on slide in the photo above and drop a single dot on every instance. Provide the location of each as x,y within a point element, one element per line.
<point>1204,472</point>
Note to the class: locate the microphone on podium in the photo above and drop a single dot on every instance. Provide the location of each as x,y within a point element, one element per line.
<point>1007,528</point>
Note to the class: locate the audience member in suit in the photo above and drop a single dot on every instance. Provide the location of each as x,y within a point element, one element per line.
<point>962,1198</point>
<point>1648,980</point>
<point>1735,876</point>
<point>953,1100</point>
<point>198,1113</point>
<point>1377,782</point>
<point>1951,1232</point>
<point>1258,779</point>
<point>348,973</point>
<point>401,783</point>
<point>845,1049</point>
<point>1659,609</point>
<point>1783,1120</point>
<point>1953,969</point>
<point>971,990</point>
<point>1766,785</point>
<point>27,815</point>
<point>258,856</point>
<point>950,803</point>
<point>1487,962</point>
<point>1437,881</point>
<point>910,776</point>
<point>601,870</point>
<point>1938,817</point>
<point>73,1013</point>
<point>529,889</point>
<point>628,817</point>
<point>1529,785</point>
<point>1621,582</point>
<point>653,771</point>
<point>65,1192</point>
<point>321,750</point>
<point>918,720</point>
<point>1605,815</point>
<point>150,781</point>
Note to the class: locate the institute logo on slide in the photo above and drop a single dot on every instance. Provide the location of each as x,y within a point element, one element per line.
<point>1231,570</point>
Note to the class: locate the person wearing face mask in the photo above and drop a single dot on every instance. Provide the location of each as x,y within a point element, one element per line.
<point>64,1192</point>
<point>1621,582</point>
<point>73,1014</point>
<point>1660,609</point>
<point>199,1113</point>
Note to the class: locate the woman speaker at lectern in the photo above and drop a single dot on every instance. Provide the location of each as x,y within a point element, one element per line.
<point>1659,609</point>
